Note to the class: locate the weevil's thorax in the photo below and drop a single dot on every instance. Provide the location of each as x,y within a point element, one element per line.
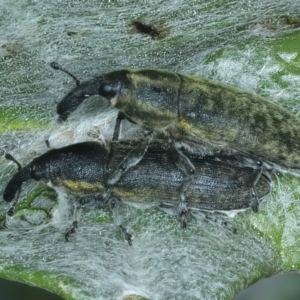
<point>79,167</point>
<point>150,97</point>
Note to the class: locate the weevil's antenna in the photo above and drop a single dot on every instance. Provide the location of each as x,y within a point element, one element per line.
<point>57,66</point>
<point>10,157</point>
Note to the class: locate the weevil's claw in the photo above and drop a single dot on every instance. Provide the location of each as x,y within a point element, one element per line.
<point>182,213</point>
<point>11,211</point>
<point>127,236</point>
<point>183,217</point>
<point>71,230</point>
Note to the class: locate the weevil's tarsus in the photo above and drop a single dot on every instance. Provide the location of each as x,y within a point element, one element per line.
<point>75,224</point>
<point>254,200</point>
<point>114,204</point>
<point>11,210</point>
<point>71,230</point>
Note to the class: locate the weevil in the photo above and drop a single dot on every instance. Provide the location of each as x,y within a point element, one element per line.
<point>199,114</point>
<point>121,172</point>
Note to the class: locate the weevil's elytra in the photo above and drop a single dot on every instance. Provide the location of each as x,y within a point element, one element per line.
<point>199,110</point>
<point>154,177</point>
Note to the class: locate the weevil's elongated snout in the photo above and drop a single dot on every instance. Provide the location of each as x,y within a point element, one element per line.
<point>74,98</point>
<point>15,183</point>
<point>107,86</point>
<point>37,169</point>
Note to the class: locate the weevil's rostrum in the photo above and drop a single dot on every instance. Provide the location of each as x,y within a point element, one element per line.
<point>195,108</point>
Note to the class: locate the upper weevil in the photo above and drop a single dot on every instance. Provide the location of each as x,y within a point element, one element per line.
<point>198,113</point>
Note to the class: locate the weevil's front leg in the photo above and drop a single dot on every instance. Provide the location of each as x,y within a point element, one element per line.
<point>76,218</point>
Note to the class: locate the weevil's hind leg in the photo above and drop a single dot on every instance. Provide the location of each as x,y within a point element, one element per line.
<point>183,164</point>
<point>254,200</point>
<point>256,175</point>
<point>114,204</point>
<point>75,224</point>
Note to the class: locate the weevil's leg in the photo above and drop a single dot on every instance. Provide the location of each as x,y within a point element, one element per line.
<point>57,66</point>
<point>257,174</point>
<point>254,200</point>
<point>183,164</point>
<point>11,210</point>
<point>130,160</point>
<point>267,176</point>
<point>113,204</point>
<point>75,224</point>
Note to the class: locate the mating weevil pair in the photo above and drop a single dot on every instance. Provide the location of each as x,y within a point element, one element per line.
<point>202,117</point>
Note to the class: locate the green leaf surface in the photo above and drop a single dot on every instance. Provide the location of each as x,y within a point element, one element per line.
<point>248,44</point>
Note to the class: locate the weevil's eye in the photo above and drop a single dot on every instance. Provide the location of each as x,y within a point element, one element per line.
<point>107,91</point>
<point>34,173</point>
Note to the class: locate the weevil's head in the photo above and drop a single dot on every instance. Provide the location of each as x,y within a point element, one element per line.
<point>107,86</point>
<point>38,170</point>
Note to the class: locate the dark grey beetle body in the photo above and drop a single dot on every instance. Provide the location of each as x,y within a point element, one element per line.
<point>196,110</point>
<point>85,168</point>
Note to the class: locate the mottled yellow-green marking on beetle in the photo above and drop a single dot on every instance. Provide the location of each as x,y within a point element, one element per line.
<point>198,113</point>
